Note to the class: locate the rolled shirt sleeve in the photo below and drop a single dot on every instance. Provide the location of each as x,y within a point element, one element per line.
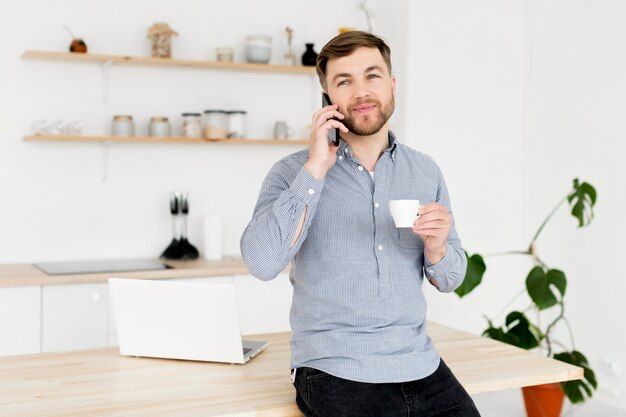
<point>447,274</point>
<point>266,242</point>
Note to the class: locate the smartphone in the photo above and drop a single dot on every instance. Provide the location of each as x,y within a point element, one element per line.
<point>333,134</point>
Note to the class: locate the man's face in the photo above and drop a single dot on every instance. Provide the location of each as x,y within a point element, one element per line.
<point>361,85</point>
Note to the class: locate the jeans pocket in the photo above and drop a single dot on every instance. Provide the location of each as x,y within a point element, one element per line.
<point>315,374</point>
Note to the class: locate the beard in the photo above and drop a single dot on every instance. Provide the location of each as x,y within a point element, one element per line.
<point>370,123</point>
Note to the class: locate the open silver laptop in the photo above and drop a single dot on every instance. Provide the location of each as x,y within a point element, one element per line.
<point>179,320</point>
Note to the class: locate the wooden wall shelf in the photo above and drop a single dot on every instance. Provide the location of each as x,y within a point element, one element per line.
<point>166,62</point>
<point>148,139</point>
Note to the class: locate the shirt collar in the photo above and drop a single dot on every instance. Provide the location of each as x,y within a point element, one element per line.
<point>344,148</point>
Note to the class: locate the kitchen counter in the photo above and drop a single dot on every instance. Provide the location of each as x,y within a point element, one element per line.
<point>17,275</point>
<point>100,382</point>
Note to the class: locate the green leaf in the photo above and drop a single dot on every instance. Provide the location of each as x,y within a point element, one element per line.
<point>582,199</point>
<point>527,334</point>
<point>518,331</point>
<point>473,276</point>
<point>543,287</point>
<point>576,390</point>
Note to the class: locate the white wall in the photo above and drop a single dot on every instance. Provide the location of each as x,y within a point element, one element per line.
<point>465,101</point>
<point>55,205</point>
<point>577,129</point>
<point>514,99</point>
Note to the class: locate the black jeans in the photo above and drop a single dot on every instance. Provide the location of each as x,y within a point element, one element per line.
<point>319,394</point>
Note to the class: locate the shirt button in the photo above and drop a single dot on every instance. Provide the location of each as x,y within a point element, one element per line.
<point>431,272</point>
<point>311,191</point>
<point>360,168</point>
<point>380,247</point>
<point>340,157</point>
<point>376,205</point>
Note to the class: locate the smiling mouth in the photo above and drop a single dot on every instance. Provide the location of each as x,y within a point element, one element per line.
<point>365,108</point>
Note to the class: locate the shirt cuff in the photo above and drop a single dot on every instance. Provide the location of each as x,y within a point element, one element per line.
<point>440,269</point>
<point>306,187</point>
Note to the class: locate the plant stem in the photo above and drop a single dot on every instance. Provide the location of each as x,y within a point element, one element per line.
<point>548,218</point>
<point>551,325</point>
<point>571,334</point>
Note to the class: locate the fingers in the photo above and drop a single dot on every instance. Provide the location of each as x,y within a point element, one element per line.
<point>427,208</point>
<point>432,215</point>
<point>327,115</point>
<point>336,124</point>
<point>443,233</point>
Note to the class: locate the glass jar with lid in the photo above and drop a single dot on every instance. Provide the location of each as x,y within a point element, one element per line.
<point>160,127</point>
<point>192,125</point>
<point>237,124</point>
<point>123,125</point>
<point>215,124</point>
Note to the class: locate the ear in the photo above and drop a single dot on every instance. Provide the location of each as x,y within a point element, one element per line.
<point>393,85</point>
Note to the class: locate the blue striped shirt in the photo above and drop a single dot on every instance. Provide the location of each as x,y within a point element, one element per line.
<point>358,311</point>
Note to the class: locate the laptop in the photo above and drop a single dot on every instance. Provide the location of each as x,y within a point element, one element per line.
<point>179,320</point>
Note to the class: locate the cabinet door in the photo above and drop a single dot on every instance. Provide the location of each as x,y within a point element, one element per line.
<point>20,320</point>
<point>263,305</point>
<point>75,316</point>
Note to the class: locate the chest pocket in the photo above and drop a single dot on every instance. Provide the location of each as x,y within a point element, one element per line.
<point>406,238</point>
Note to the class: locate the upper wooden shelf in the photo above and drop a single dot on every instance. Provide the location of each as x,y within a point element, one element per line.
<point>149,139</point>
<point>167,62</point>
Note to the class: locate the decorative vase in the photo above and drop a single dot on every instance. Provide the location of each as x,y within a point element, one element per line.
<point>543,400</point>
<point>309,57</point>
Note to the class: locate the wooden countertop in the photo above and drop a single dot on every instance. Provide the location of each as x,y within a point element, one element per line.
<point>17,275</point>
<point>100,382</point>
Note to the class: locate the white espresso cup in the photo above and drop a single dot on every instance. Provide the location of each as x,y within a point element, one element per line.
<point>404,212</point>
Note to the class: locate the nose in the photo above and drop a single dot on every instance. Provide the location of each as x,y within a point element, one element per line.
<point>361,91</point>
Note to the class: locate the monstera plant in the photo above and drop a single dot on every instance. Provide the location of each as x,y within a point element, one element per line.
<point>546,287</point>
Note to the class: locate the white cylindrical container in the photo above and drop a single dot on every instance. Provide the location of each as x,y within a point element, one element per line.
<point>215,124</point>
<point>212,234</point>
<point>236,124</point>
<point>259,49</point>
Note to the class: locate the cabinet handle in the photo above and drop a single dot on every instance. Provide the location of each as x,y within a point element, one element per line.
<point>96,296</point>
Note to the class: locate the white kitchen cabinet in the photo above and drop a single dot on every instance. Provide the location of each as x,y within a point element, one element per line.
<point>263,305</point>
<point>75,316</point>
<point>20,320</point>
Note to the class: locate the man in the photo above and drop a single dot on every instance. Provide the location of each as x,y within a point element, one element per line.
<point>359,344</point>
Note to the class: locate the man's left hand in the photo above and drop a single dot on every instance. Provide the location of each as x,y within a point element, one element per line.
<point>433,226</point>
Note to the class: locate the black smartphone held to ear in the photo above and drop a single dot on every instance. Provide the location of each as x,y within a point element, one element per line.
<point>333,134</point>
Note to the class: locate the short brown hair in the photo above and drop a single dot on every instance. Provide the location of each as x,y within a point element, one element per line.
<point>346,43</point>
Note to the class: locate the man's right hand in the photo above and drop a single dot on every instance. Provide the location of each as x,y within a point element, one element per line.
<point>323,155</point>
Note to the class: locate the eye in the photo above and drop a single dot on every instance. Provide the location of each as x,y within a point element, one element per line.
<point>344,82</point>
<point>373,76</point>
